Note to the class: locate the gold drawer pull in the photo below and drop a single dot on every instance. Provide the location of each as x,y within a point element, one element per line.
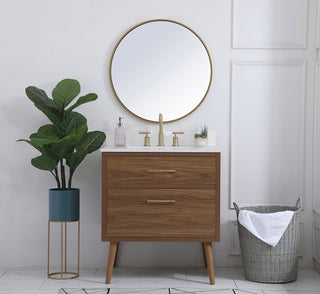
<point>161,201</point>
<point>161,170</point>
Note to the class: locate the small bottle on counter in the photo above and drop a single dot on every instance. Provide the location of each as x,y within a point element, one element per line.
<point>120,134</point>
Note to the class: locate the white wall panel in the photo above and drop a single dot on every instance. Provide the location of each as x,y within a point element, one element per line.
<point>269,23</point>
<point>267,132</point>
<point>316,161</point>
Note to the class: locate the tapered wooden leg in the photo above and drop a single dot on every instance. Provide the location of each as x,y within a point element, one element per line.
<point>112,255</point>
<point>204,255</point>
<point>116,258</point>
<point>209,258</point>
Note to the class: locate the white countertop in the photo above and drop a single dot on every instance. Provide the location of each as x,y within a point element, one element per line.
<point>159,149</point>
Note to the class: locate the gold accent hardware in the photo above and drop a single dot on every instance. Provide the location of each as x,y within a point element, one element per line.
<point>160,141</point>
<point>63,251</point>
<point>161,201</point>
<point>146,139</point>
<point>175,138</point>
<point>161,170</point>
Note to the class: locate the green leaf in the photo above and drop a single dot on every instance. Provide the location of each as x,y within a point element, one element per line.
<point>83,99</point>
<point>39,96</point>
<point>44,162</point>
<point>73,139</point>
<point>92,141</point>
<point>76,158</point>
<point>39,148</point>
<point>46,135</point>
<point>62,149</point>
<point>44,103</point>
<point>74,123</point>
<point>65,91</point>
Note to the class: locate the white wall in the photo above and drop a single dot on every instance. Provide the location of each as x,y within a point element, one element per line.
<point>45,41</point>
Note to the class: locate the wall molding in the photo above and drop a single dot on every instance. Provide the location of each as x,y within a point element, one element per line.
<point>235,65</point>
<point>316,137</point>
<point>300,43</point>
<point>315,168</point>
<point>316,153</point>
<point>318,25</point>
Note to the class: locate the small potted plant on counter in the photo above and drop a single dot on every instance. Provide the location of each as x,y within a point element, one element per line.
<point>63,144</point>
<point>201,140</point>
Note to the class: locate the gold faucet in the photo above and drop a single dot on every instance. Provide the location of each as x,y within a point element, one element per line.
<point>160,141</point>
<point>175,138</point>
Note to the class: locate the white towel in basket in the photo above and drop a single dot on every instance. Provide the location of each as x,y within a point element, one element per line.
<point>268,227</point>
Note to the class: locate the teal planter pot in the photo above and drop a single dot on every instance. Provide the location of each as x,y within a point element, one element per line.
<point>64,205</point>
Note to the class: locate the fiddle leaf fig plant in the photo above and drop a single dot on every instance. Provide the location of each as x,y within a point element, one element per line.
<point>65,142</point>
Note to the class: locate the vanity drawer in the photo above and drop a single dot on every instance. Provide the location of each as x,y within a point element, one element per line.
<point>162,214</point>
<point>188,171</point>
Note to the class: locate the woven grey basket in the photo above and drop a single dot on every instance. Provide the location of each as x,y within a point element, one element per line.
<point>267,264</point>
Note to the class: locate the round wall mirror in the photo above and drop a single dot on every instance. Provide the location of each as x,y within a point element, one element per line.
<point>160,66</point>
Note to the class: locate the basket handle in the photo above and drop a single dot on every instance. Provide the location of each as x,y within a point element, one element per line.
<point>298,204</point>
<point>236,206</point>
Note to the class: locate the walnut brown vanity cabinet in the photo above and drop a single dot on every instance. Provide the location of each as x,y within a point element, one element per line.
<point>161,196</point>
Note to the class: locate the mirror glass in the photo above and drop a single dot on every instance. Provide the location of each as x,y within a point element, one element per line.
<point>160,66</point>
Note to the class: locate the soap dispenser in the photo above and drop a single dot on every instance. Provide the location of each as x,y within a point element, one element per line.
<point>120,134</point>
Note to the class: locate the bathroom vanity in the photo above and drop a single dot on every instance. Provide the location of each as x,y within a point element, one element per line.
<point>160,194</point>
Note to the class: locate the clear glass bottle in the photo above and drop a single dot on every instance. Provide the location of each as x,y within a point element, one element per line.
<point>120,134</point>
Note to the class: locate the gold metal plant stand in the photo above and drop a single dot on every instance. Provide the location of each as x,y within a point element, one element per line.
<point>63,262</point>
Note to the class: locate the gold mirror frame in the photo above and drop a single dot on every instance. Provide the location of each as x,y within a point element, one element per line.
<point>115,49</point>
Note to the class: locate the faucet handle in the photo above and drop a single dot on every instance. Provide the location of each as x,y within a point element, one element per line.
<point>175,138</point>
<point>146,138</point>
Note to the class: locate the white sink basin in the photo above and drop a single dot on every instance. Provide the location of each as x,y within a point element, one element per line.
<point>159,149</point>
